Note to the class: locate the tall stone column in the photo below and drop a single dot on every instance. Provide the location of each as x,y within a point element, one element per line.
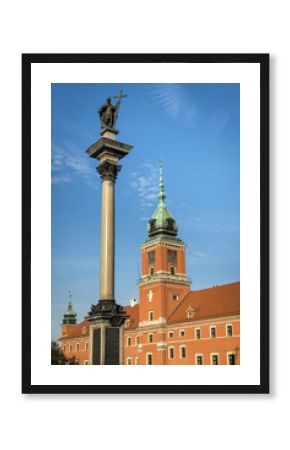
<point>107,317</point>
<point>108,174</point>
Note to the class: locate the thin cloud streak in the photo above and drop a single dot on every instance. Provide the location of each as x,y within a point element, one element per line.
<point>172,98</point>
<point>145,181</point>
<point>68,162</point>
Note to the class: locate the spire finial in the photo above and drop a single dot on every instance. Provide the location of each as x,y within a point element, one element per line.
<point>161,184</point>
<point>69,297</point>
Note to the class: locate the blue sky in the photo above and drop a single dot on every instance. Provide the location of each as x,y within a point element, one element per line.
<point>195,130</point>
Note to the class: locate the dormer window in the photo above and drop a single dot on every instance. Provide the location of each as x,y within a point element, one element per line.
<point>170,224</point>
<point>152,225</point>
<point>190,312</point>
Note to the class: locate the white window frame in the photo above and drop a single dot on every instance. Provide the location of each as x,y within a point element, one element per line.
<point>180,352</point>
<point>218,359</point>
<point>229,325</point>
<point>182,331</point>
<point>136,360</point>
<point>86,362</point>
<point>195,333</point>
<point>210,328</point>
<point>149,316</point>
<point>147,354</point>
<point>129,341</point>
<point>202,358</point>
<point>148,338</point>
<point>129,359</point>
<point>70,348</point>
<point>170,332</point>
<point>77,347</point>
<point>171,348</point>
<point>232,352</point>
<point>87,346</point>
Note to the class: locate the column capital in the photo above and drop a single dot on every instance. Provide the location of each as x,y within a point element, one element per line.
<point>108,171</point>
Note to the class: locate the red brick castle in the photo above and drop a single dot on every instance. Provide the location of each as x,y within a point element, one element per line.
<point>170,324</point>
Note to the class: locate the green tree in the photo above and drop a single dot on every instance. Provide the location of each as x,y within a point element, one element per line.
<point>57,356</point>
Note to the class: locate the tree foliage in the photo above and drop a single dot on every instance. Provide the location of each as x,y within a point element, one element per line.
<point>57,355</point>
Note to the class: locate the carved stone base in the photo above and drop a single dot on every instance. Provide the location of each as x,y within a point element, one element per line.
<point>106,333</point>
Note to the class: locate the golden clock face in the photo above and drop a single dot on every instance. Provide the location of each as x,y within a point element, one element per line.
<point>172,256</point>
<point>151,257</point>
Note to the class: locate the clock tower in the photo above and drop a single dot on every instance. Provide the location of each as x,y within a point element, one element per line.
<point>164,282</point>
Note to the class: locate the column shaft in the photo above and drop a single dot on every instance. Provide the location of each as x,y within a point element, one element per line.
<point>107,259</point>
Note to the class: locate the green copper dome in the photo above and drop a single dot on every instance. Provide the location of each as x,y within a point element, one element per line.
<point>69,317</point>
<point>162,221</point>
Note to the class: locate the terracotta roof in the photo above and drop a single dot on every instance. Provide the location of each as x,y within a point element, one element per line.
<point>218,301</point>
<point>76,331</point>
<point>133,312</point>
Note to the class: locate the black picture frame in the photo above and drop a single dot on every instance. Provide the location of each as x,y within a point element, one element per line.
<point>263,61</point>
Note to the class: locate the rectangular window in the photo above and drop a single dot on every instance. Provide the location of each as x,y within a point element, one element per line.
<point>151,258</point>
<point>137,340</point>
<point>181,333</point>
<point>86,362</point>
<point>199,360</point>
<point>137,361</point>
<point>231,359</point>
<point>149,359</point>
<point>63,349</point>
<point>170,334</point>
<point>151,271</point>
<point>182,351</point>
<point>129,361</point>
<point>70,348</point>
<point>150,337</point>
<point>214,360</point>
<point>172,270</point>
<point>77,347</point>
<point>197,333</point>
<point>229,330</point>
<point>172,256</point>
<point>171,353</point>
<point>213,332</point>
<point>129,341</point>
<point>87,345</point>
<point>151,315</point>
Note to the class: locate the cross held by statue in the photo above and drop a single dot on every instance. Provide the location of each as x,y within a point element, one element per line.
<point>120,96</point>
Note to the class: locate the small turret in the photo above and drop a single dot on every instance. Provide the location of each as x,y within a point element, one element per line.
<point>162,221</point>
<point>69,317</point>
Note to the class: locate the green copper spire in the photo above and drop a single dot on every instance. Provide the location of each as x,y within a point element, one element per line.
<point>69,317</point>
<point>162,221</point>
<point>161,195</point>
